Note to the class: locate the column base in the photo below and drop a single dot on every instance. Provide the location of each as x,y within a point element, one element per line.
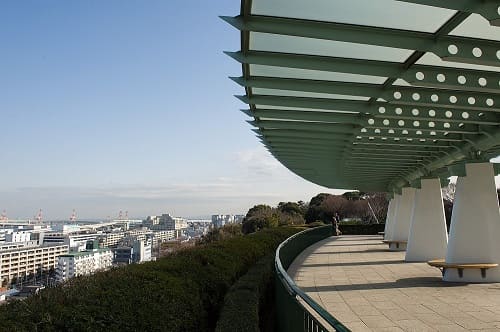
<point>396,245</point>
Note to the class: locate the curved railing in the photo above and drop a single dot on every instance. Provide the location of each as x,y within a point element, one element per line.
<point>296,311</point>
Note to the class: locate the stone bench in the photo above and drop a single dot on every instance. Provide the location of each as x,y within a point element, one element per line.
<point>396,245</point>
<point>442,265</point>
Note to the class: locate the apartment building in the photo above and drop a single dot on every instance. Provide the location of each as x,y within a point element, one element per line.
<point>86,262</point>
<point>21,259</point>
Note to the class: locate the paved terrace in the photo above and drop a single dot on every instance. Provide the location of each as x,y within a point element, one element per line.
<point>369,288</point>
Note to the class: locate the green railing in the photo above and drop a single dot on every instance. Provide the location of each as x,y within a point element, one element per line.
<point>296,311</point>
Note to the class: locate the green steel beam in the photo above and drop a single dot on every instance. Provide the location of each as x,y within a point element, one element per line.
<point>301,134</point>
<point>489,9</point>
<point>356,119</point>
<point>424,75</point>
<point>406,95</point>
<point>450,48</point>
<point>381,110</point>
<point>319,126</point>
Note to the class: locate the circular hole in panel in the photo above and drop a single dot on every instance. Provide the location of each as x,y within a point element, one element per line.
<point>422,140</point>
<point>391,131</point>
<point>432,124</point>
<point>415,111</point>
<point>460,125</point>
<point>477,52</point>
<point>453,99</point>
<point>401,123</point>
<point>386,122</point>
<point>416,124</point>
<point>399,111</point>
<point>452,49</point>
<point>480,114</point>
<point>435,98</point>
<point>415,96</point>
<point>418,132</point>
<point>381,110</point>
<point>445,133</point>
<point>465,115</point>
<point>377,131</point>
<point>358,137</point>
<point>448,114</point>
<point>371,121</point>
<point>471,100</point>
<point>482,81</point>
<point>363,130</point>
<point>432,113</point>
<point>397,95</point>
<point>489,102</point>
<point>433,133</point>
<point>446,125</point>
<point>441,78</point>
<point>420,76</point>
<point>498,54</point>
<point>498,10</point>
<point>461,79</point>
<point>404,132</point>
<point>409,139</point>
<point>384,138</point>
<point>396,138</point>
<point>371,138</point>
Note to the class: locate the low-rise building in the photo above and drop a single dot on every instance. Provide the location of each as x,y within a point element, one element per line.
<point>85,262</point>
<point>76,241</point>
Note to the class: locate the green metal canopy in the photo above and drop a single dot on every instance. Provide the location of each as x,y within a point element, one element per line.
<point>372,95</point>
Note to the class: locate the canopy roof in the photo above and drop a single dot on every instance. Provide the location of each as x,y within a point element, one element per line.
<point>372,95</point>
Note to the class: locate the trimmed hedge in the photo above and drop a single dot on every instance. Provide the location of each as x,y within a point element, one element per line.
<point>182,292</point>
<point>247,298</point>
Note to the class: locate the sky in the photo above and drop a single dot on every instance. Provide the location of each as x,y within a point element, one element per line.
<point>126,105</point>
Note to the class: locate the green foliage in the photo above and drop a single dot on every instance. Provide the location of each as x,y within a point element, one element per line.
<point>260,217</point>
<point>369,207</point>
<point>317,223</point>
<point>247,298</point>
<point>263,216</point>
<point>181,292</point>
<point>221,233</point>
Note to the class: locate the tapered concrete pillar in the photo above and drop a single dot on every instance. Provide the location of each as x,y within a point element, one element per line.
<point>389,221</point>
<point>427,238</point>
<point>475,225</point>
<point>402,218</point>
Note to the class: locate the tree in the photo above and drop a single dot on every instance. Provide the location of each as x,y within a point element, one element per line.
<point>291,213</point>
<point>324,206</point>
<point>259,217</point>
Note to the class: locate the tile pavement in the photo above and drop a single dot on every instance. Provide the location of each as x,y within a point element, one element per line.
<point>369,288</point>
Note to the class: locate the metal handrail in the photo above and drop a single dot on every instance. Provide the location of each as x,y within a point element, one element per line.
<point>294,291</point>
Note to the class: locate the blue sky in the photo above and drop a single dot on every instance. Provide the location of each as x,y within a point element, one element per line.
<point>126,105</point>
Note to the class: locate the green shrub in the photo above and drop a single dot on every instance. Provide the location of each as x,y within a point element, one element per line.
<point>317,223</point>
<point>247,298</point>
<point>181,292</point>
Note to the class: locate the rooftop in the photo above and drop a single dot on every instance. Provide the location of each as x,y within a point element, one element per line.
<point>369,288</point>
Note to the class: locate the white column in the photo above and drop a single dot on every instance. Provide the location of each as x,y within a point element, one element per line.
<point>403,217</point>
<point>475,225</point>
<point>392,217</point>
<point>389,218</point>
<point>427,237</point>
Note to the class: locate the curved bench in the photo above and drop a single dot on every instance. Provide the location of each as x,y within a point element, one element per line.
<point>442,265</point>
